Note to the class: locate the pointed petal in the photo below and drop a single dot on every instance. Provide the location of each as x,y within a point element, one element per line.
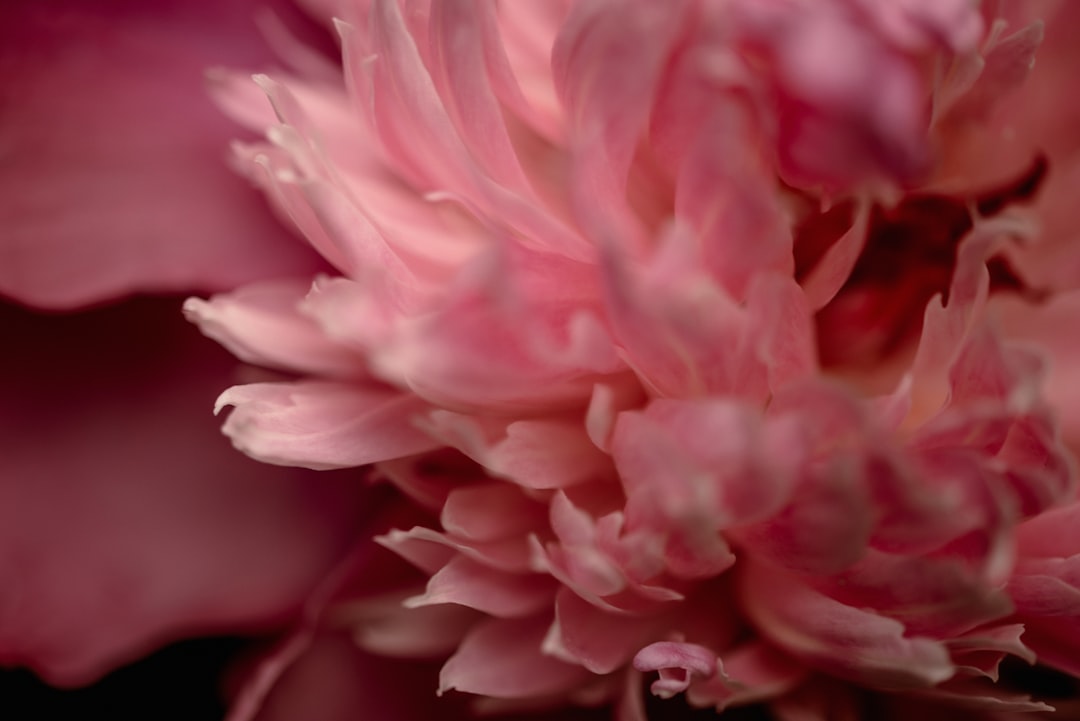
<point>263,324</point>
<point>502,658</point>
<point>500,594</point>
<point>322,424</point>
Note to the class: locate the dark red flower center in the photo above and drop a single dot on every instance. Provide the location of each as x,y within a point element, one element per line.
<point>909,257</point>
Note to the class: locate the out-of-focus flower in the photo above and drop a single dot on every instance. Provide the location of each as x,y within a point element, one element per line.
<point>125,522</point>
<point>112,173</point>
<point>679,320</point>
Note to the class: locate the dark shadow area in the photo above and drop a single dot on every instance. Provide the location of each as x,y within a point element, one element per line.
<point>182,682</point>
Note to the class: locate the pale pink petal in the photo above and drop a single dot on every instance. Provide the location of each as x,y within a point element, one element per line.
<point>726,192</point>
<point>342,234</point>
<point>577,560</point>
<point>323,424</point>
<point>684,335</point>
<point>512,555</point>
<point>594,557</point>
<point>543,453</point>
<point>350,206</point>
<point>113,179</point>
<point>596,639</point>
<point>946,326</point>
<point>706,460</point>
<point>606,62</point>
<point>679,664</point>
<point>415,129</point>
<point>263,324</point>
<point>466,56</point>
<point>491,512</point>
<point>844,640</point>
<point>126,521</point>
<point>503,595</point>
<point>502,658</point>
<point>606,405</point>
<point>529,28</point>
<point>411,120</point>
<point>516,331</point>
<point>418,550</point>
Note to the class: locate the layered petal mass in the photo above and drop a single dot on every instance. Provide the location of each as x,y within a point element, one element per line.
<point>708,341</point>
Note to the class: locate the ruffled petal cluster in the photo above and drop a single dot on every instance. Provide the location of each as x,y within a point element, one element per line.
<point>678,328</point>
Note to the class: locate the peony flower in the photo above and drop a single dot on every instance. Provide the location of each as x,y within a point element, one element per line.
<point>126,522</point>
<point>689,334</point>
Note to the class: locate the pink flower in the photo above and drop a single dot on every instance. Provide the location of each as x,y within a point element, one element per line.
<point>126,522</point>
<point>680,327</point>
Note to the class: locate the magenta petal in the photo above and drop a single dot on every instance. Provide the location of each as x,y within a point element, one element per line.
<point>126,521</point>
<point>114,178</point>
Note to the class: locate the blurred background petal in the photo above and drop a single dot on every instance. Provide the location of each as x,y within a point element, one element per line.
<point>112,156</point>
<point>126,519</point>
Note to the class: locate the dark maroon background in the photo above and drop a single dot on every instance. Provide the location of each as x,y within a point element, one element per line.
<point>182,682</point>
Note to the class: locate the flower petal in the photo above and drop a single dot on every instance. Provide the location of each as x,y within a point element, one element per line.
<point>323,424</point>
<point>262,323</point>
<point>844,640</point>
<point>113,177</point>
<point>125,520</point>
<point>503,595</point>
<point>502,658</point>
